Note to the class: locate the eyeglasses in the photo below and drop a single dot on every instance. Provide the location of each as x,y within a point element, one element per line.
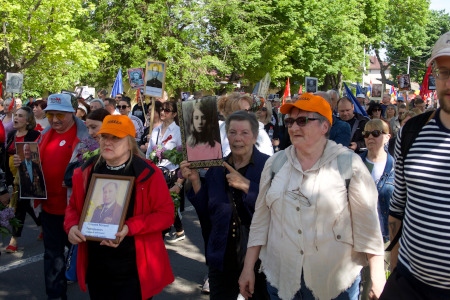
<point>166,110</point>
<point>377,109</point>
<point>59,116</point>
<point>264,109</point>
<point>301,121</point>
<point>118,97</point>
<point>122,106</point>
<point>374,133</point>
<point>442,74</point>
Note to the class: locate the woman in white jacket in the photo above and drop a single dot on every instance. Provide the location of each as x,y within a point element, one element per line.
<point>312,232</point>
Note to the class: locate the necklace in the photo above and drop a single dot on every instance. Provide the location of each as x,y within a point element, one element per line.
<point>115,168</point>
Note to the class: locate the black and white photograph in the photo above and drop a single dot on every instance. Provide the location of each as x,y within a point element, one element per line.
<point>376,90</point>
<point>311,84</point>
<point>31,177</point>
<point>155,74</point>
<point>431,83</point>
<point>404,82</point>
<point>200,132</point>
<point>136,78</point>
<point>105,206</point>
<point>14,83</point>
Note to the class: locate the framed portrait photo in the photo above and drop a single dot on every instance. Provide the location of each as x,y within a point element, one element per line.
<point>31,177</point>
<point>404,82</point>
<point>136,78</point>
<point>14,83</point>
<point>311,84</point>
<point>431,83</point>
<point>105,206</point>
<point>376,90</point>
<point>200,133</point>
<point>155,76</point>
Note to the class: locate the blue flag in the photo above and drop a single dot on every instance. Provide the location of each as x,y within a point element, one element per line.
<point>359,89</point>
<point>358,107</point>
<point>117,87</point>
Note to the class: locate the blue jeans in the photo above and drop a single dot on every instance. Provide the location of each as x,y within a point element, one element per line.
<point>55,239</point>
<point>352,293</point>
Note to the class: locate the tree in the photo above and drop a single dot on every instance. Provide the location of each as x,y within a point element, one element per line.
<point>39,39</point>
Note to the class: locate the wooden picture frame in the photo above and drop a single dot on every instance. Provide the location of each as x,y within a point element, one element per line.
<point>31,185</point>
<point>101,218</point>
<point>202,148</point>
<point>155,77</point>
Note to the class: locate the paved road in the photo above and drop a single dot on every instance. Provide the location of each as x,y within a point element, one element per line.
<point>21,273</point>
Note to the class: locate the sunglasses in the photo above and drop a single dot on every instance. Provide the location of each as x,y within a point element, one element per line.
<point>59,116</point>
<point>377,109</point>
<point>374,133</point>
<point>166,110</point>
<point>264,109</point>
<point>301,121</point>
<point>122,106</point>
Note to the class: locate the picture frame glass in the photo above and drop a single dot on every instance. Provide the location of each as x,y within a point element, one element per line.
<point>200,132</point>
<point>105,206</point>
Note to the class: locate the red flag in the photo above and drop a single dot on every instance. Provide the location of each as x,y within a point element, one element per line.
<point>424,86</point>
<point>12,104</point>
<point>287,91</point>
<point>300,90</point>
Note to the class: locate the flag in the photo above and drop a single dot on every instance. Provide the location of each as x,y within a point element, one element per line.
<point>358,107</point>
<point>359,89</point>
<point>256,89</point>
<point>424,91</point>
<point>287,91</point>
<point>393,91</point>
<point>118,86</point>
<point>300,90</point>
<point>12,104</point>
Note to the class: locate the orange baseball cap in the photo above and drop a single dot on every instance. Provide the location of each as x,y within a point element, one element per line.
<point>118,125</point>
<point>312,103</point>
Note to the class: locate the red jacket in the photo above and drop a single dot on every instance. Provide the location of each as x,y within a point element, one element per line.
<point>153,212</point>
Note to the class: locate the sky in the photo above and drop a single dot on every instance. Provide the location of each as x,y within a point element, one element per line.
<point>440,5</point>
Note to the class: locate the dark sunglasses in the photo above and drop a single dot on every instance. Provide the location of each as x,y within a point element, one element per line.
<point>377,109</point>
<point>301,121</point>
<point>166,110</point>
<point>374,133</point>
<point>264,109</point>
<point>122,106</point>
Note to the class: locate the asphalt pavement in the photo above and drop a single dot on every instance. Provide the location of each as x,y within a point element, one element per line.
<point>22,274</point>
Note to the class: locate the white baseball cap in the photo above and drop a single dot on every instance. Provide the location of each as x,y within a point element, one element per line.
<point>441,48</point>
<point>360,96</point>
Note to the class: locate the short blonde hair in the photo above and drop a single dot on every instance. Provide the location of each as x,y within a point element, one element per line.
<point>377,124</point>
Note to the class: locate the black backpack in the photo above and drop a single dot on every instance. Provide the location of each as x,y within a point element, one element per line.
<point>410,131</point>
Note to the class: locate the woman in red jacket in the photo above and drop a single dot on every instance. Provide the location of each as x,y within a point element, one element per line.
<point>137,267</point>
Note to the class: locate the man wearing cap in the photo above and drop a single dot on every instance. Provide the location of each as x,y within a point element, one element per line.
<point>58,145</point>
<point>361,99</point>
<point>420,205</point>
<point>385,102</point>
<point>318,232</point>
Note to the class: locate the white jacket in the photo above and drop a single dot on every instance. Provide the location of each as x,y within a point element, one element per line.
<point>304,221</point>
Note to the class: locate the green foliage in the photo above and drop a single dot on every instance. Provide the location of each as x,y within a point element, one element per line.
<point>41,41</point>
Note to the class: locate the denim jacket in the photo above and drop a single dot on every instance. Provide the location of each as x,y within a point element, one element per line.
<point>385,187</point>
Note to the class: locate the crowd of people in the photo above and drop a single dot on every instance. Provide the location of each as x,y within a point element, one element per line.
<point>299,202</point>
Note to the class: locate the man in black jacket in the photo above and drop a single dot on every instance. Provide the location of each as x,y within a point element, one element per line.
<point>356,121</point>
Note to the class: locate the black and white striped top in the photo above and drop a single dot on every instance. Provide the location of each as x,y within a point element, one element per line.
<point>425,182</point>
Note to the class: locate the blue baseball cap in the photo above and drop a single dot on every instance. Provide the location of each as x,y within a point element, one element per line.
<point>59,102</point>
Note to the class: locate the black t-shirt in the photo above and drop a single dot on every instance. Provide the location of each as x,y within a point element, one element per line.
<point>107,264</point>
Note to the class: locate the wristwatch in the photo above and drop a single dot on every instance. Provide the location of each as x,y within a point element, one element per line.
<point>178,185</point>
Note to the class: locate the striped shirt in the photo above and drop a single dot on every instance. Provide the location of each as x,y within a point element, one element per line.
<point>424,179</point>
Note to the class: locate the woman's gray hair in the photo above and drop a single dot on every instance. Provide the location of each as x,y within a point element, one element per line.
<point>321,120</point>
<point>242,115</point>
<point>99,101</point>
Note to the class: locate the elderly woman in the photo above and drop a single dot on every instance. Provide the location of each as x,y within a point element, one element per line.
<point>225,198</point>
<point>315,222</point>
<point>23,131</point>
<point>137,266</point>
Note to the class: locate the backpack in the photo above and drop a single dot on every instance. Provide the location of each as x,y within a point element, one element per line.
<point>410,131</point>
<point>344,162</point>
